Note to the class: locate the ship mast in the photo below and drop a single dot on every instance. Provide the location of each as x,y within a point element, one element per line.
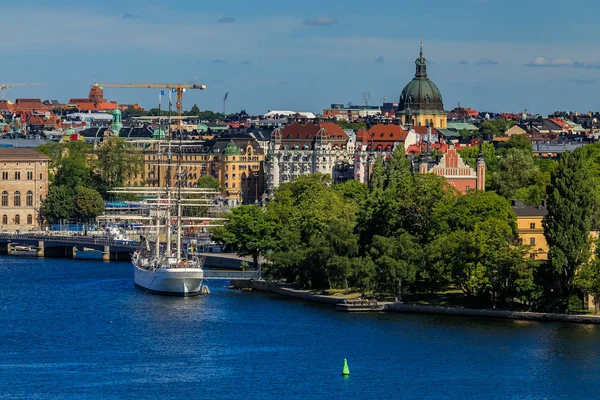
<point>168,183</point>
<point>181,180</point>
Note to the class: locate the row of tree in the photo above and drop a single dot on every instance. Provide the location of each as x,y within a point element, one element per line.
<point>206,115</point>
<point>414,233</point>
<point>81,177</point>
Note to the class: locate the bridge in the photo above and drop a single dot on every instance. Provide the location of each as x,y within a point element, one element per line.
<point>218,265</point>
<point>65,246</point>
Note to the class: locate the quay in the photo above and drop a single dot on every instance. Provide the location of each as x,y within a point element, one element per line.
<point>349,305</point>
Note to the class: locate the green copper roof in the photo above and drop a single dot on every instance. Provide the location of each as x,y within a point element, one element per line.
<point>232,150</point>
<point>421,95</point>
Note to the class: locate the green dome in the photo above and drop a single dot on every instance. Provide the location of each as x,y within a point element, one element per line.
<point>421,95</point>
<point>232,150</point>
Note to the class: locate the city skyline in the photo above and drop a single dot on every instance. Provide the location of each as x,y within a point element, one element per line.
<point>305,57</point>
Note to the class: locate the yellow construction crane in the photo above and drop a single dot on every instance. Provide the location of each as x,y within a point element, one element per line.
<point>12,85</point>
<point>178,88</point>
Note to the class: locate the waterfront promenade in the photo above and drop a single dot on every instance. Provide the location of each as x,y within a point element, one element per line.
<point>348,305</point>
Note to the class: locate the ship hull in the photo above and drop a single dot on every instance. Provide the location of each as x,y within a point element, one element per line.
<point>182,282</point>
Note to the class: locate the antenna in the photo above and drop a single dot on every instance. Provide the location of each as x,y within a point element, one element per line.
<point>224,102</point>
<point>366,97</point>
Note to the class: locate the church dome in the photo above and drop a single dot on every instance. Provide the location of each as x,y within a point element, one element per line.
<point>421,95</point>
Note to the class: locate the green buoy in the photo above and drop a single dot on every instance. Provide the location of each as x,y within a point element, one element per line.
<point>345,370</point>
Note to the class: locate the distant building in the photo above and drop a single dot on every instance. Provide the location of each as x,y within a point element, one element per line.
<point>531,230</point>
<point>350,113</point>
<point>308,147</point>
<point>458,173</point>
<point>23,188</point>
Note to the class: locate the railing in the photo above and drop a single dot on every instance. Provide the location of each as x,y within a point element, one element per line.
<point>208,274</point>
<point>70,239</point>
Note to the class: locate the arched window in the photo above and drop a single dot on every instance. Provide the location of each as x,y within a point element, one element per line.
<point>17,199</point>
<point>5,219</point>
<point>29,199</point>
<point>5,199</point>
<point>17,219</point>
<point>233,185</point>
<point>226,185</point>
<point>29,219</point>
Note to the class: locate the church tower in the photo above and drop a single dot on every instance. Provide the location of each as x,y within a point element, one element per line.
<point>480,170</point>
<point>422,99</point>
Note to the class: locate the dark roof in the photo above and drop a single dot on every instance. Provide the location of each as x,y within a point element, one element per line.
<point>19,154</point>
<point>523,210</point>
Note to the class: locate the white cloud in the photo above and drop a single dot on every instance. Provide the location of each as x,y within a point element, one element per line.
<point>554,62</point>
<point>319,21</point>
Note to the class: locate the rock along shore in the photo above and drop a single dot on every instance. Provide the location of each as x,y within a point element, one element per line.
<point>273,287</point>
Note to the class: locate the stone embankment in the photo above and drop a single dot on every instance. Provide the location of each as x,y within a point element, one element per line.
<point>273,287</point>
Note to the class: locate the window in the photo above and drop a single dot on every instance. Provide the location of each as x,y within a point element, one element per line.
<point>532,241</point>
<point>532,225</point>
<point>17,199</point>
<point>17,175</point>
<point>29,219</point>
<point>5,199</point>
<point>41,176</point>
<point>17,219</point>
<point>29,175</point>
<point>233,185</point>
<point>29,199</point>
<point>5,219</point>
<point>468,188</point>
<point>5,175</point>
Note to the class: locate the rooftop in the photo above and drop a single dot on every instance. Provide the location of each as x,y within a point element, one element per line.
<point>523,210</point>
<point>20,154</point>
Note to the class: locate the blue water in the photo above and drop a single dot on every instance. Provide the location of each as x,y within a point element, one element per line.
<point>72,329</point>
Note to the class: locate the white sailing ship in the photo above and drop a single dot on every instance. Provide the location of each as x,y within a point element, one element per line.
<point>159,266</point>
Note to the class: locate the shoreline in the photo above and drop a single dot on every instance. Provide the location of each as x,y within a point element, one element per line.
<point>338,302</point>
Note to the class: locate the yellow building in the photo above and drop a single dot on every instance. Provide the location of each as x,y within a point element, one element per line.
<point>531,231</point>
<point>23,188</point>
<point>240,173</point>
<point>237,163</point>
<point>421,100</point>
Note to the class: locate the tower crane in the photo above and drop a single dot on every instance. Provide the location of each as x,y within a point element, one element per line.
<point>12,85</point>
<point>178,88</point>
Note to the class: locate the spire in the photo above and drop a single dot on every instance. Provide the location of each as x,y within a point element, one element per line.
<point>421,63</point>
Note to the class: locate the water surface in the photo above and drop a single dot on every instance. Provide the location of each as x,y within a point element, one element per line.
<point>74,329</point>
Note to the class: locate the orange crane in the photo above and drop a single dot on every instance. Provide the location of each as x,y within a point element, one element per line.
<point>12,85</point>
<point>178,88</point>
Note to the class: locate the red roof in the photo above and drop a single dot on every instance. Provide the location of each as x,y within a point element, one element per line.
<point>96,106</point>
<point>382,133</point>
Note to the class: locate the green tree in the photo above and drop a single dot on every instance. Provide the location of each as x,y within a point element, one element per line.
<point>521,142</point>
<point>397,260</point>
<point>517,170</point>
<point>209,182</point>
<point>355,126</point>
<point>471,154</point>
<point>118,161</point>
<point>248,230</point>
<point>88,203</point>
<point>352,191</point>
<point>572,202</point>
<point>588,280</point>
<point>194,110</point>
<point>58,205</point>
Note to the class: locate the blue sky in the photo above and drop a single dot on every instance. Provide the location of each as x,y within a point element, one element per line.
<point>500,55</point>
